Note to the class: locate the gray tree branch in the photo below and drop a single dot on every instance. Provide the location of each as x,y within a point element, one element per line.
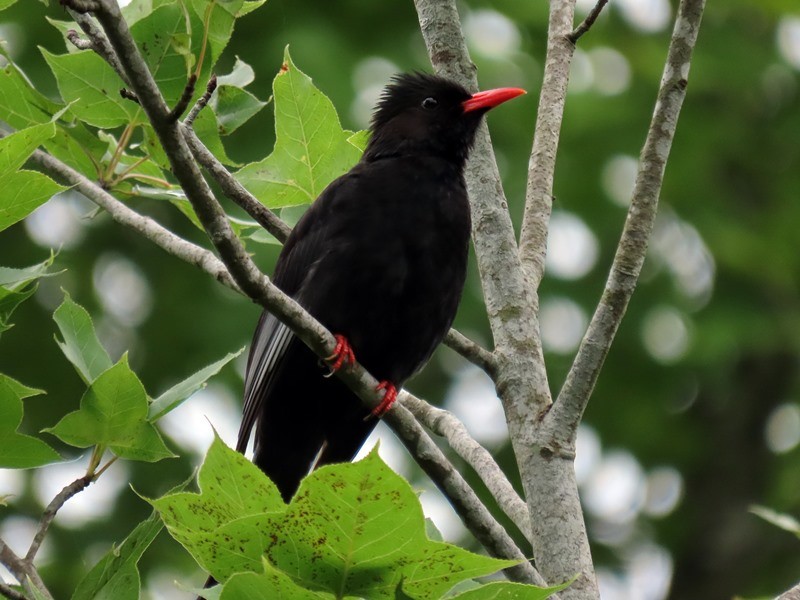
<point>9,592</point>
<point>52,509</point>
<point>447,425</point>
<point>542,165</point>
<point>23,571</point>
<point>563,419</point>
<point>560,542</point>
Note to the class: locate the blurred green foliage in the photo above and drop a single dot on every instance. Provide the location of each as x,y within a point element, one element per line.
<point>733,181</point>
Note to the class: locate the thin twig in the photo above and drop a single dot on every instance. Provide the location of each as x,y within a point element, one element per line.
<point>52,509</point>
<point>124,215</point>
<point>472,351</point>
<point>234,190</point>
<point>587,23</point>
<point>9,592</point>
<point>201,102</point>
<point>447,425</point>
<point>128,95</point>
<point>472,511</point>
<point>98,42</point>
<point>566,413</point>
<point>23,571</point>
<point>188,91</point>
<point>77,41</point>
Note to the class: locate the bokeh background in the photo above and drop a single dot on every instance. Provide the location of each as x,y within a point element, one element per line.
<point>696,414</point>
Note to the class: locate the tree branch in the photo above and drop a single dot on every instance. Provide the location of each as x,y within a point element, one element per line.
<point>447,425</point>
<point>234,190</point>
<point>560,543</point>
<point>9,592</point>
<point>565,416</point>
<point>541,168</point>
<point>124,215</point>
<point>587,23</point>
<point>472,351</point>
<point>522,379</point>
<point>201,102</point>
<point>23,571</point>
<point>52,509</point>
<point>466,503</point>
<point>98,42</point>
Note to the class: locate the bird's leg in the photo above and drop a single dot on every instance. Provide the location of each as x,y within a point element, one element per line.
<point>389,396</point>
<point>342,355</point>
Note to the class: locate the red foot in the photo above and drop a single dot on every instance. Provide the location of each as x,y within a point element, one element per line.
<point>389,396</point>
<point>342,355</point>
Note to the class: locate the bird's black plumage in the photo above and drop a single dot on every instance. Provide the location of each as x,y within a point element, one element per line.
<point>379,258</point>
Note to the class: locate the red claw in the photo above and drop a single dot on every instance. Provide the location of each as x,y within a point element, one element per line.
<point>343,355</point>
<point>389,396</point>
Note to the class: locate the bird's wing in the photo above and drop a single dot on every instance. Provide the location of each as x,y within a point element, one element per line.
<point>270,342</point>
<point>272,339</point>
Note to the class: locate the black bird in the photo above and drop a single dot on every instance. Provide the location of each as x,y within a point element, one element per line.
<point>379,259</point>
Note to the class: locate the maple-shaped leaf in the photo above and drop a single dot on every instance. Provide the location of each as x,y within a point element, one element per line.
<point>311,148</point>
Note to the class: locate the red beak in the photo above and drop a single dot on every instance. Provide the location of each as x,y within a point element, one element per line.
<point>490,98</point>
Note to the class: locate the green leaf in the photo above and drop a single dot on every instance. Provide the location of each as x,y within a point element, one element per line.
<point>440,566</point>
<point>179,392</point>
<point>9,301</point>
<point>358,529</point>
<point>19,451</point>
<point>359,139</point>
<point>233,107</point>
<point>91,88</point>
<point>80,345</point>
<point>23,191</point>
<point>14,279</point>
<point>240,76</point>
<point>17,147</point>
<point>226,526</point>
<point>311,148</point>
<point>4,4</point>
<point>113,413</point>
<point>506,590</point>
<point>162,39</point>
<point>272,584</point>
<point>208,129</point>
<point>220,23</point>
<point>20,105</point>
<point>13,290</point>
<point>115,576</point>
<point>249,6</point>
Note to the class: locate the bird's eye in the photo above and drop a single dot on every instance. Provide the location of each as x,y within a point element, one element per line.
<point>430,103</point>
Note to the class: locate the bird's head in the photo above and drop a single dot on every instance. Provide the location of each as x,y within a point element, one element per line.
<point>421,114</point>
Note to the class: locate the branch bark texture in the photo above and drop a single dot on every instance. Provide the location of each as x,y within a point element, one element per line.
<point>560,543</point>
<point>562,421</point>
<point>542,165</point>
